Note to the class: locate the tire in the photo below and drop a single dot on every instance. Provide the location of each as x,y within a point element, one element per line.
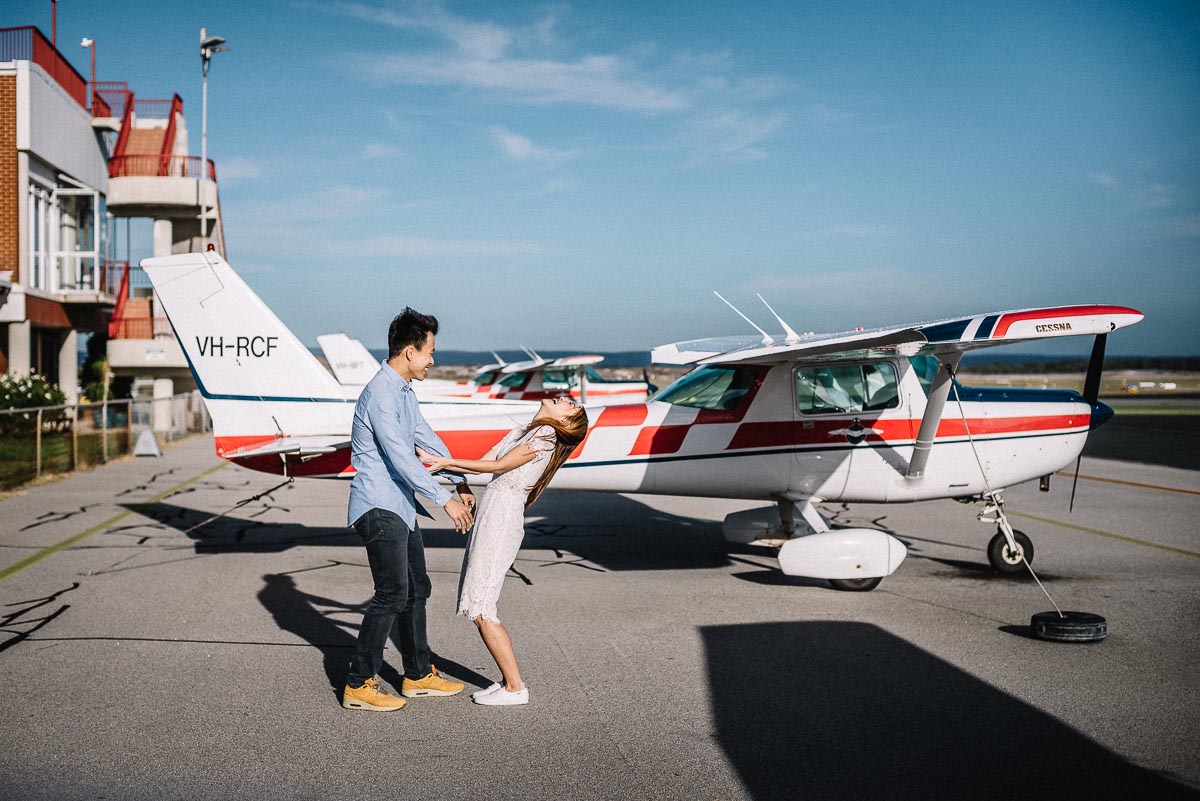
<point>1071,627</point>
<point>856,585</point>
<point>1005,560</point>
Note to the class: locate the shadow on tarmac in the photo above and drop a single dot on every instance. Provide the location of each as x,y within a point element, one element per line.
<point>310,617</point>
<point>846,710</point>
<point>608,530</point>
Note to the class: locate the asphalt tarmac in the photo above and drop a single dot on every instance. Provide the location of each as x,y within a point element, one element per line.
<point>147,654</point>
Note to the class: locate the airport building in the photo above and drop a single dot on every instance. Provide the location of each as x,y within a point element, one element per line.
<point>76,157</point>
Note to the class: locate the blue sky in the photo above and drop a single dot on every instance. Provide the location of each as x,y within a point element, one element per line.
<point>584,175</point>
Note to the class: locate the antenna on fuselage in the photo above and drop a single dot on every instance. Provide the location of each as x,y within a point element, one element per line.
<point>767,338</point>
<point>792,336</point>
<point>531,353</point>
<point>499,361</point>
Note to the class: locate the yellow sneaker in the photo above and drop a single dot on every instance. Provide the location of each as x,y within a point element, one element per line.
<point>370,696</point>
<point>433,684</point>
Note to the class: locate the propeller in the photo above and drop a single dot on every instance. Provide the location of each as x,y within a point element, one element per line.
<point>1091,394</point>
<point>650,388</point>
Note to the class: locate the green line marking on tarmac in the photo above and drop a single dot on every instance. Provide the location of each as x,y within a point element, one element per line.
<point>1108,534</point>
<point>69,541</point>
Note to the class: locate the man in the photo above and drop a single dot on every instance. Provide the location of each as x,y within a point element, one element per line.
<point>383,510</point>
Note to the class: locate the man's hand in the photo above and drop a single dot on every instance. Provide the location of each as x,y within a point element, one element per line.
<point>460,514</point>
<point>466,496</point>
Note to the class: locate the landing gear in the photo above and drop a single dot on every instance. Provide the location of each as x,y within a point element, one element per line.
<point>1004,558</point>
<point>855,585</point>
<point>1005,553</point>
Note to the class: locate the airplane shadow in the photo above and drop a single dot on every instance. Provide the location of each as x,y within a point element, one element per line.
<point>611,531</point>
<point>847,710</point>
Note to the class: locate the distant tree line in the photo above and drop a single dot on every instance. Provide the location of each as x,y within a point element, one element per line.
<point>1170,364</point>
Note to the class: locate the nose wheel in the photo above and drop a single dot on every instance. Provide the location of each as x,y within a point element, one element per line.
<point>1002,556</point>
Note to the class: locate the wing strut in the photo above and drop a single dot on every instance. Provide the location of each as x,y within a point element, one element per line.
<point>938,393</point>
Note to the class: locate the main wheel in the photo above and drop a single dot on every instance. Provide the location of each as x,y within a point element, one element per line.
<point>1005,559</point>
<point>856,585</point>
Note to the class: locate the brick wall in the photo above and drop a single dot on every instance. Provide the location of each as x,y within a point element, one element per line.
<point>10,255</point>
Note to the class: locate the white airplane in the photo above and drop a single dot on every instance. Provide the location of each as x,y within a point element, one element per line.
<point>353,365</point>
<point>541,378</point>
<point>863,416</point>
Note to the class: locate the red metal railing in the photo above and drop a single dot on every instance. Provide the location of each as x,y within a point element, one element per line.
<point>114,95</point>
<point>175,166</point>
<point>168,145</point>
<point>141,325</point>
<point>28,44</point>
<point>154,109</point>
<point>99,107</point>
<point>139,328</point>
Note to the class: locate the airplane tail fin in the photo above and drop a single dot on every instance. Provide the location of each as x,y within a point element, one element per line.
<point>258,379</point>
<point>351,362</point>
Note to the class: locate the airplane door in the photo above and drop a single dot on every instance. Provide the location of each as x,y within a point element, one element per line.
<point>821,462</point>
<point>845,413</point>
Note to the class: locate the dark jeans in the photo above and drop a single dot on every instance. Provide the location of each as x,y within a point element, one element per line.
<point>397,557</point>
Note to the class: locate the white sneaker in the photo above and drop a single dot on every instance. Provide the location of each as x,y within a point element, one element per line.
<point>502,697</point>
<point>478,693</point>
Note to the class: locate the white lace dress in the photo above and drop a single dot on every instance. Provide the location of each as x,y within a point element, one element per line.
<point>500,525</point>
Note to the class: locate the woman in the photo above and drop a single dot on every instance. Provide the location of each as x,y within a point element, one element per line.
<point>521,467</point>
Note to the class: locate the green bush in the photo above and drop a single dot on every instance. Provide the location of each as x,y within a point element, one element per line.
<point>26,392</point>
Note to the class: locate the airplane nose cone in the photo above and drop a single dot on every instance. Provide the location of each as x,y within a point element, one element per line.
<point>1101,414</point>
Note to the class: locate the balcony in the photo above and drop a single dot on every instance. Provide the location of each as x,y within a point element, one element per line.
<point>28,44</point>
<point>159,186</point>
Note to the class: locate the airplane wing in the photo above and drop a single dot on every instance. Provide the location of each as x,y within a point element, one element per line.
<point>940,336</point>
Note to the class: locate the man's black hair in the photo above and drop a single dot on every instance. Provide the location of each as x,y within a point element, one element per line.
<point>410,327</point>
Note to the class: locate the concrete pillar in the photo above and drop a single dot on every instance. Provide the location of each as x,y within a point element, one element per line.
<point>164,388</point>
<point>68,366</point>
<point>164,238</point>
<point>20,347</point>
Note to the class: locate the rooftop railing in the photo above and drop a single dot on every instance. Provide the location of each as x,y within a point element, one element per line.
<point>173,166</point>
<point>28,44</point>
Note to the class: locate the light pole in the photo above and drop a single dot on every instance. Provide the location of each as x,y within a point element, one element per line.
<point>208,46</point>
<point>86,42</point>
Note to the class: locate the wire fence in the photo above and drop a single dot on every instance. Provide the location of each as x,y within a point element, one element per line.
<point>59,439</point>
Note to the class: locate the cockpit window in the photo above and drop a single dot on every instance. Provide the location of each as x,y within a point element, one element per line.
<point>514,380</point>
<point>484,379</point>
<point>710,387</point>
<point>558,379</point>
<point>845,388</point>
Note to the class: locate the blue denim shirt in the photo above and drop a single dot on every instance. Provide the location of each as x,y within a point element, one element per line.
<point>387,424</point>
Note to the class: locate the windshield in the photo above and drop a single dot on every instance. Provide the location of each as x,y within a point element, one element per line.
<point>710,387</point>
<point>483,379</point>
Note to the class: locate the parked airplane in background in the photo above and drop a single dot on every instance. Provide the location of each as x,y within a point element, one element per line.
<point>863,416</point>
<point>353,365</point>
<point>541,378</point>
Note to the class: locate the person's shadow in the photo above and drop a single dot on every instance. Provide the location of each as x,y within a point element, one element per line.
<point>313,618</point>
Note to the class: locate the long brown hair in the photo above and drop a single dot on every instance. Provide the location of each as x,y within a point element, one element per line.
<point>567,437</point>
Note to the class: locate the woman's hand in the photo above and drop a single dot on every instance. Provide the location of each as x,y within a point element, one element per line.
<point>436,463</point>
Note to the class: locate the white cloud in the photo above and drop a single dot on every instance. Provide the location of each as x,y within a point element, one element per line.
<point>379,150</point>
<point>238,169</point>
<point>733,135</point>
<point>522,148</point>
<point>1102,179</point>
